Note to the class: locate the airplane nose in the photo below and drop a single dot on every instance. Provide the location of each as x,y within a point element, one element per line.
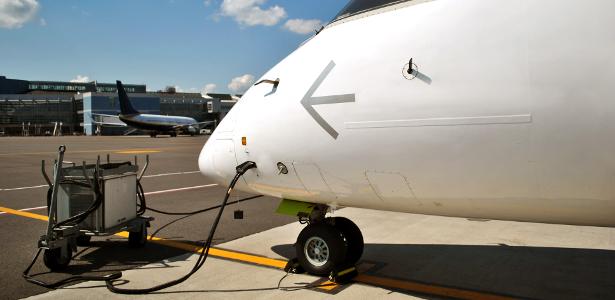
<point>217,160</point>
<point>206,160</point>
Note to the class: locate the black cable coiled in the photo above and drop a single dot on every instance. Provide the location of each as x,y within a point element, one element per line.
<point>110,278</point>
<point>241,169</point>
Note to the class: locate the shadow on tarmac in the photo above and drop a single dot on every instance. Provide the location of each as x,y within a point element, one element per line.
<point>105,257</point>
<point>518,271</point>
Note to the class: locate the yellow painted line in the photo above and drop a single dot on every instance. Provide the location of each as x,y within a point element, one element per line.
<point>90,151</point>
<point>327,285</point>
<point>23,214</point>
<point>137,151</point>
<point>254,259</point>
<point>426,288</point>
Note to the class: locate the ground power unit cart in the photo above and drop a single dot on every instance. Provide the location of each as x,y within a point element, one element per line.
<point>91,200</point>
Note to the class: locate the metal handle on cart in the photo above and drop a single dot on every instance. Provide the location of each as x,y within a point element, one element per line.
<point>87,178</point>
<point>45,173</point>
<point>144,167</point>
<point>57,174</point>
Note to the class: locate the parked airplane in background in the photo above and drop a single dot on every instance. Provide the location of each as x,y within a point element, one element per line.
<point>475,109</point>
<point>153,124</point>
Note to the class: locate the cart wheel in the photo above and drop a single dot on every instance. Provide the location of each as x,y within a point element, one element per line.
<point>83,240</point>
<point>54,261</point>
<point>137,239</point>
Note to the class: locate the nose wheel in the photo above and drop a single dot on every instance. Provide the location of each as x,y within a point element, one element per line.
<point>329,245</point>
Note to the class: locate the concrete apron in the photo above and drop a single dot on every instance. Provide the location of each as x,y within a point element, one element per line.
<point>405,256</point>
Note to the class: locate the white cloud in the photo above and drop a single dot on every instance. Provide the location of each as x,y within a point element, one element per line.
<point>15,13</point>
<point>302,26</point>
<point>207,2</point>
<point>241,84</point>
<point>43,22</point>
<point>81,78</point>
<point>208,88</point>
<point>249,12</point>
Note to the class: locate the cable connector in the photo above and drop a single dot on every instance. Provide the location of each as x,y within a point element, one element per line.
<point>244,167</point>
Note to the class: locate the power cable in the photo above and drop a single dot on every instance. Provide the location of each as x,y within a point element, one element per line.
<point>110,278</point>
<point>241,169</point>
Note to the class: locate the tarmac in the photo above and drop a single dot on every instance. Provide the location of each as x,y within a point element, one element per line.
<point>171,183</point>
<point>406,255</point>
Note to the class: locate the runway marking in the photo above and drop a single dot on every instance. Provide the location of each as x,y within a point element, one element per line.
<point>328,285</point>
<point>26,209</point>
<point>23,213</point>
<point>92,151</point>
<point>181,189</point>
<point>372,280</point>
<point>228,254</point>
<point>24,188</point>
<point>146,176</point>
<point>169,174</point>
<point>220,253</point>
<point>149,193</point>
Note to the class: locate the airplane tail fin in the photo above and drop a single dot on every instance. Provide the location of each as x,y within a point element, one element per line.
<point>125,105</point>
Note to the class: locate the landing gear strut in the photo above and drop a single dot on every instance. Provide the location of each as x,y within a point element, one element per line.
<point>328,245</point>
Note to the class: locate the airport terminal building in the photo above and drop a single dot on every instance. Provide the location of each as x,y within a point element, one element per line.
<point>70,108</point>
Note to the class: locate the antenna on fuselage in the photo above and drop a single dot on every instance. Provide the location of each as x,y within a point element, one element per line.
<point>410,70</point>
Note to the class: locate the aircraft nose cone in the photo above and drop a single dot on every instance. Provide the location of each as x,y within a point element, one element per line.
<point>217,161</point>
<point>206,160</point>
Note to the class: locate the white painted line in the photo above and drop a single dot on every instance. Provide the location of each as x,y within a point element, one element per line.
<point>145,176</point>
<point>169,174</point>
<point>146,194</point>
<point>27,209</point>
<point>181,189</point>
<point>24,188</point>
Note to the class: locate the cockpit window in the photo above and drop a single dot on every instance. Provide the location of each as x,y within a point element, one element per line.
<point>359,6</point>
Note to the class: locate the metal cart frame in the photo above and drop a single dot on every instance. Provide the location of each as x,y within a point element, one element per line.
<point>63,236</point>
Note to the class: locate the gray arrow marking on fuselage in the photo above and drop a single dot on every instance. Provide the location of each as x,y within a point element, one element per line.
<point>308,101</point>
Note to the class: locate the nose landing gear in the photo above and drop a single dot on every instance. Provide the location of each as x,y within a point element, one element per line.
<point>320,248</point>
<point>329,245</point>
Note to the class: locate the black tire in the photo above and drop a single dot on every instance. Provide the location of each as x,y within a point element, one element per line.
<point>352,235</point>
<point>137,239</point>
<point>331,245</point>
<point>54,261</point>
<point>83,240</point>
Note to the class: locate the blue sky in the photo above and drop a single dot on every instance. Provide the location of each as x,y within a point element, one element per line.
<point>216,45</point>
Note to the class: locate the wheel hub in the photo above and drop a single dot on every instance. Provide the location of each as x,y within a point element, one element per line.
<point>316,251</point>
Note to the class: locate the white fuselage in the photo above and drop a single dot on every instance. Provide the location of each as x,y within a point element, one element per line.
<point>165,120</point>
<point>157,123</point>
<point>511,115</point>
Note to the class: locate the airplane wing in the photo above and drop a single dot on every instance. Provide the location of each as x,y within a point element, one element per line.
<point>198,124</point>
<point>107,120</point>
